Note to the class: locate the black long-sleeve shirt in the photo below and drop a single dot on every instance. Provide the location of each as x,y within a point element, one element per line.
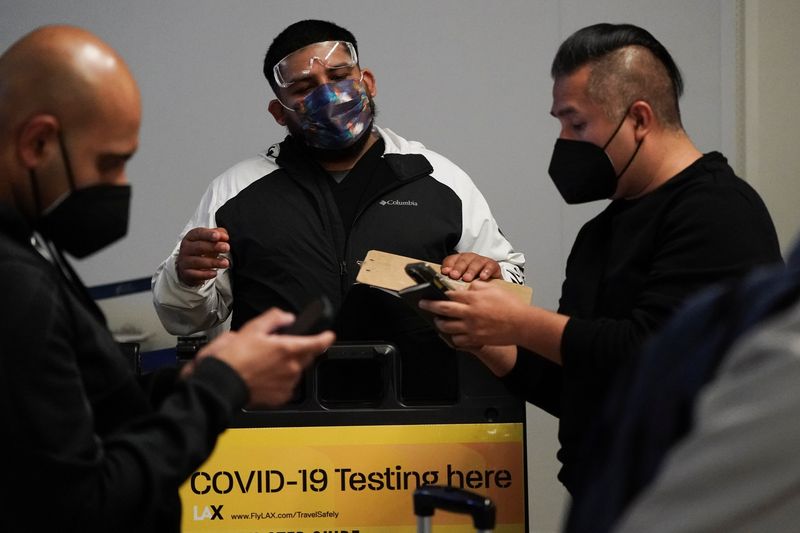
<point>629,270</point>
<point>83,449</point>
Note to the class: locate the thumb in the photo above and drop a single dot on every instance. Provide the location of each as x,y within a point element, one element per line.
<point>268,321</point>
<point>309,343</point>
<point>306,348</point>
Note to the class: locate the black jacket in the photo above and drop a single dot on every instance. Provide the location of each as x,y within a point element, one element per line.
<point>289,243</point>
<point>630,268</point>
<point>309,250</point>
<point>83,447</point>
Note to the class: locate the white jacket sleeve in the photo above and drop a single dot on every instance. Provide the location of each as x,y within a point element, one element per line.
<point>184,309</point>
<point>737,470</point>
<point>480,232</point>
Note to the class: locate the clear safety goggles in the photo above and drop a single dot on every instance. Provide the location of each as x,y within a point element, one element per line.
<point>298,64</point>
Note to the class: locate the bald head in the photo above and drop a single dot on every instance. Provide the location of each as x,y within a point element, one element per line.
<point>66,72</point>
<point>69,117</point>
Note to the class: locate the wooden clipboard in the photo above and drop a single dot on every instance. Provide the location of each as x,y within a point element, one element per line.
<point>387,271</point>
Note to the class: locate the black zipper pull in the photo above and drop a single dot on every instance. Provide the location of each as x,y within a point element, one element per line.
<point>343,268</point>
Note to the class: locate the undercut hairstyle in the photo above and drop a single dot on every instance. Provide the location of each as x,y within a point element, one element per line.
<point>627,64</point>
<point>297,36</point>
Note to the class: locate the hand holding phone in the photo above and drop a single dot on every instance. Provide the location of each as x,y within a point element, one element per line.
<point>430,286</point>
<point>422,273</point>
<point>315,318</point>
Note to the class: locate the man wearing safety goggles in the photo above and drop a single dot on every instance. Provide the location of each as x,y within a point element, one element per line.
<point>296,221</point>
<point>324,98</point>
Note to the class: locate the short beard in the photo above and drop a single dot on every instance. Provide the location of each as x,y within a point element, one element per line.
<point>337,154</point>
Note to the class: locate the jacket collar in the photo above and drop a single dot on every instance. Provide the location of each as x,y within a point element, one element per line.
<point>403,157</point>
<point>14,225</point>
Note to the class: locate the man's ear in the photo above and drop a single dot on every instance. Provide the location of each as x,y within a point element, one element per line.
<point>277,111</point>
<point>369,82</point>
<point>36,139</point>
<point>644,118</point>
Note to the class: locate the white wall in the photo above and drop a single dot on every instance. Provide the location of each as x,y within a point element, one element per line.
<point>772,109</point>
<point>469,78</point>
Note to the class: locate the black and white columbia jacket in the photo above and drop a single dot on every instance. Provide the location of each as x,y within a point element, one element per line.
<point>288,243</point>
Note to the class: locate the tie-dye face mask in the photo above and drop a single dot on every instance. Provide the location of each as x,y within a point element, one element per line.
<point>335,115</point>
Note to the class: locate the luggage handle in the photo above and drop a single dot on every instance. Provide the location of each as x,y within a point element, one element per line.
<point>431,497</point>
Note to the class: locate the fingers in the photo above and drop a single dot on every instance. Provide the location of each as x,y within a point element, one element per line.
<point>303,347</point>
<point>455,265</point>
<point>447,308</point>
<point>195,270</point>
<point>199,254</point>
<point>268,322</point>
<point>270,365</point>
<point>275,319</point>
<point>448,263</point>
<point>470,266</point>
<point>276,383</point>
<point>207,235</point>
<point>462,335</point>
<point>205,242</point>
<point>308,347</point>
<point>316,345</point>
<point>481,268</point>
<point>451,327</point>
<point>203,248</point>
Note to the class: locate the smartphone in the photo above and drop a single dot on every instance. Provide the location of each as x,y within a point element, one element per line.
<point>430,286</point>
<point>422,273</point>
<point>315,318</point>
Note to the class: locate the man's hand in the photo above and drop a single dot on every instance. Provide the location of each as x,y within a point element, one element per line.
<point>487,315</point>
<point>482,315</point>
<point>269,363</point>
<point>199,255</point>
<point>499,359</point>
<point>469,266</point>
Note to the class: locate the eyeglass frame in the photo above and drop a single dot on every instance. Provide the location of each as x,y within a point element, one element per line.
<point>322,61</point>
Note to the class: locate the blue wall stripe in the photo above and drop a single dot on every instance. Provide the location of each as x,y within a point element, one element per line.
<point>120,288</point>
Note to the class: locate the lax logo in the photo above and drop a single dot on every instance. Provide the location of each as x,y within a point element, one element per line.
<point>398,202</point>
<point>210,512</point>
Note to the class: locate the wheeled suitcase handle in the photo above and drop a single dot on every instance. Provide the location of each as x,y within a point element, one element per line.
<point>431,497</point>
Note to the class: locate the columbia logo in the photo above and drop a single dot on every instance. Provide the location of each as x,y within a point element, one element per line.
<point>398,202</point>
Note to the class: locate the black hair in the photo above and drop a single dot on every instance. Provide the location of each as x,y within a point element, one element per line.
<point>594,43</point>
<point>301,34</point>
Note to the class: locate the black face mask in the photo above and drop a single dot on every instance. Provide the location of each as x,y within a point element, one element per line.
<point>88,219</point>
<point>583,172</point>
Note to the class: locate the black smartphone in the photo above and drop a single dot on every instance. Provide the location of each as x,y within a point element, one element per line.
<point>430,286</point>
<point>422,273</point>
<point>315,318</point>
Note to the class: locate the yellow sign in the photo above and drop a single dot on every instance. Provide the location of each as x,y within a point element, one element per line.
<point>353,479</point>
